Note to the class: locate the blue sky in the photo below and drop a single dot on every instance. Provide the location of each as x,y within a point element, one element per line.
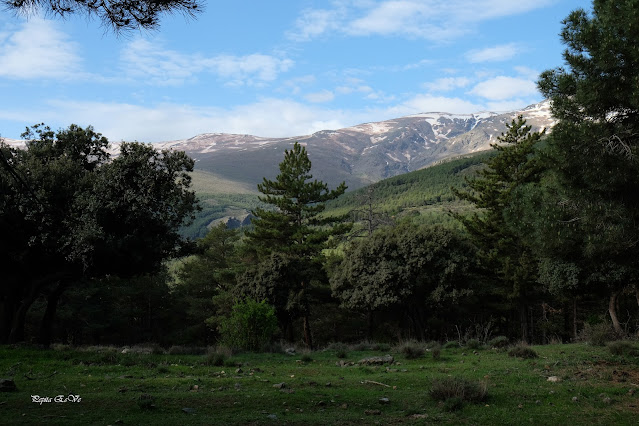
<point>277,68</point>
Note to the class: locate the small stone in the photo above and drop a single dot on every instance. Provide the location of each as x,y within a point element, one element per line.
<point>554,379</point>
<point>189,410</point>
<point>538,402</point>
<point>195,388</point>
<point>321,404</point>
<point>575,399</point>
<point>125,376</point>
<point>279,385</point>
<point>384,401</point>
<point>344,406</point>
<point>238,386</point>
<point>607,400</point>
<point>372,412</point>
<point>119,422</point>
<point>419,416</point>
<point>272,416</point>
<point>238,371</point>
<point>328,385</point>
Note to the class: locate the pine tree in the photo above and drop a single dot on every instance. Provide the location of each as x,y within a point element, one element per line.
<point>497,234</point>
<point>294,233</point>
<point>593,204</point>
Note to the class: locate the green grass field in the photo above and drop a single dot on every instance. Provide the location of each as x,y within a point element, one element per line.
<point>594,387</point>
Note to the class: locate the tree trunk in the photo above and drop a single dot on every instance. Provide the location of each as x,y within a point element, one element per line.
<point>369,325</point>
<point>574,319</point>
<point>308,336</point>
<point>612,310</point>
<point>523,318</point>
<point>46,325</point>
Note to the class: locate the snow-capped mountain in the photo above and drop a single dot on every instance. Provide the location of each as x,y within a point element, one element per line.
<point>359,154</point>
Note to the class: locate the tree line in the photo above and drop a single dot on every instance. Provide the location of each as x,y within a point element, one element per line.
<point>550,246</point>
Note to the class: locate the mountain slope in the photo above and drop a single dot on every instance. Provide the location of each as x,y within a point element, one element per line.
<point>361,154</point>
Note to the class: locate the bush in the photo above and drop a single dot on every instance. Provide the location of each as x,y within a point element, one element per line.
<point>522,351</point>
<point>436,351</point>
<point>306,358</point>
<point>215,358</point>
<point>451,345</point>
<point>499,342</point>
<point>622,348</point>
<point>450,388</point>
<point>473,344</point>
<point>598,334</point>
<point>381,347</point>
<point>187,350</point>
<point>412,350</point>
<point>251,325</point>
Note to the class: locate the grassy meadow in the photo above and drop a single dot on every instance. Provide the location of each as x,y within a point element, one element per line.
<point>588,385</point>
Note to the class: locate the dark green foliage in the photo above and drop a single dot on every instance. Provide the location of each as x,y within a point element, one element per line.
<point>216,359</point>
<point>289,240</point>
<point>436,351</point>
<point>597,334</point>
<point>623,348</point>
<point>87,217</point>
<point>589,209</point>
<point>451,345</point>
<point>499,235</point>
<point>473,344</point>
<point>415,268</point>
<point>307,358</point>
<point>523,351</point>
<point>458,388</point>
<point>498,342</point>
<point>251,325</point>
<point>412,350</point>
<point>205,282</point>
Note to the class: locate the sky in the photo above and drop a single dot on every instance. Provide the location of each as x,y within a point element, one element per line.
<point>277,68</point>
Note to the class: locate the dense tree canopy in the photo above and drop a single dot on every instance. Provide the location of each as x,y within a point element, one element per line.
<point>592,197</point>
<point>68,215</point>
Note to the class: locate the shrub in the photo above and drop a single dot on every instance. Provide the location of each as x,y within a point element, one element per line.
<point>307,358</point>
<point>450,388</point>
<point>412,350</point>
<point>473,344</point>
<point>436,351</point>
<point>451,345</point>
<point>215,358</point>
<point>187,350</point>
<point>622,348</point>
<point>597,334</point>
<point>522,351</point>
<point>499,342</point>
<point>251,325</point>
<point>381,347</point>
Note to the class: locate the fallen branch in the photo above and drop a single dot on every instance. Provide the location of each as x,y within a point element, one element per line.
<point>374,383</point>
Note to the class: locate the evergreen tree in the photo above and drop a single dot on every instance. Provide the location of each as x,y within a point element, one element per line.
<point>294,233</point>
<point>498,235</point>
<point>591,205</point>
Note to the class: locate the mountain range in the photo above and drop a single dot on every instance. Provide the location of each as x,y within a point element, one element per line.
<point>359,155</point>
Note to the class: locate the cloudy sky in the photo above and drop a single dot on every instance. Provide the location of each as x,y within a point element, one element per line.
<point>279,67</point>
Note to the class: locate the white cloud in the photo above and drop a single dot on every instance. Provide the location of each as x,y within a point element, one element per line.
<point>429,103</point>
<point>38,50</point>
<point>434,20</point>
<point>166,121</point>
<point>319,97</point>
<point>447,84</point>
<point>144,60</point>
<point>502,88</point>
<point>502,52</point>
<point>313,23</point>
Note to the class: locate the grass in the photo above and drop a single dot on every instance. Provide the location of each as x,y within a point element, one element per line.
<point>139,388</point>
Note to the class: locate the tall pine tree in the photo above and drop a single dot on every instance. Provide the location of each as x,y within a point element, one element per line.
<point>499,237</point>
<point>293,233</point>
